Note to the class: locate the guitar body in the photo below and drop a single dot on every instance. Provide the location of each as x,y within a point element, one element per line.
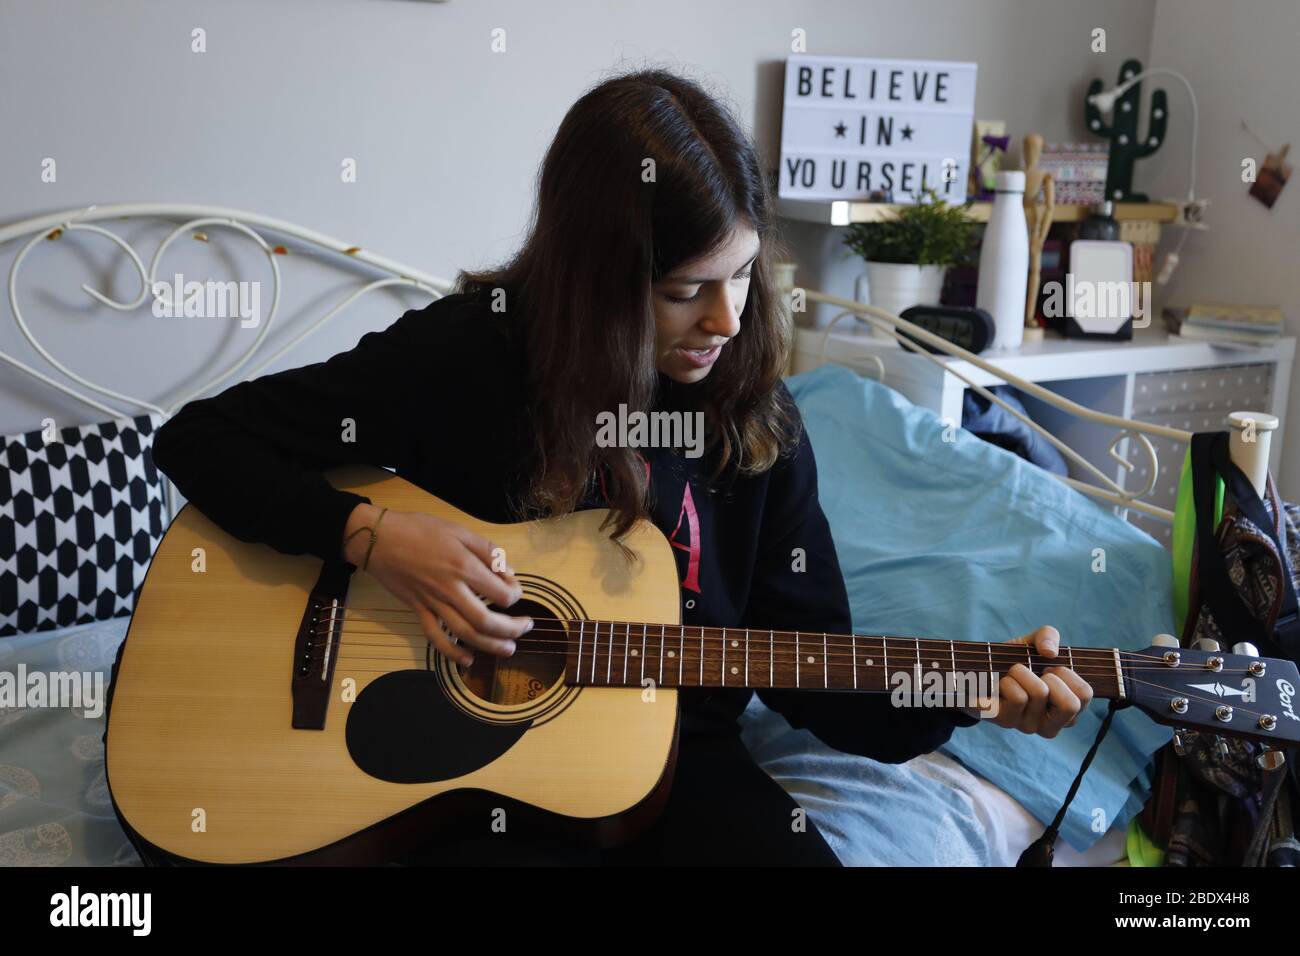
<point>204,759</point>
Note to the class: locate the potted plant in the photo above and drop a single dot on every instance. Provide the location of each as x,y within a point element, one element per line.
<point>908,253</point>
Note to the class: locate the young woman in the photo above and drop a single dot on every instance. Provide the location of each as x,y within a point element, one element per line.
<point>644,282</point>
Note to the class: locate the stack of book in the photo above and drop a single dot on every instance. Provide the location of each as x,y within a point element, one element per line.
<point>1226,324</point>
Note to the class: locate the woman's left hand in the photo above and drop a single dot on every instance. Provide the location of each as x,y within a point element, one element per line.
<point>1033,704</point>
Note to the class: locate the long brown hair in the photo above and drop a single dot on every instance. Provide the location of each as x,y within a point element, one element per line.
<point>646,172</point>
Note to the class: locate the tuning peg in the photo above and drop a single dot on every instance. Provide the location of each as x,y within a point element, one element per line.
<point>1164,640</point>
<point>1180,747</point>
<point>1221,746</point>
<point>1269,759</point>
<point>1206,644</point>
<point>1256,668</point>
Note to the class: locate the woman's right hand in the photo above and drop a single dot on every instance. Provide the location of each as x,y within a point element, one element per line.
<point>438,568</point>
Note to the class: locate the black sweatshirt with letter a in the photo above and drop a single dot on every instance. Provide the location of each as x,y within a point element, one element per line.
<point>439,396</point>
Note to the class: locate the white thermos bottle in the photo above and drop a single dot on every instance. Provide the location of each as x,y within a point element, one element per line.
<point>1004,261</point>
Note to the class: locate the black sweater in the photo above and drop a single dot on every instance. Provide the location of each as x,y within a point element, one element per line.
<point>440,397</point>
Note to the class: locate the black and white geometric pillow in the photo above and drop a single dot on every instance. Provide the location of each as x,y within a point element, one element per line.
<point>80,518</point>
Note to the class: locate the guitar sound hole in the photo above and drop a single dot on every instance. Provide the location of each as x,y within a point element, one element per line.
<point>536,666</point>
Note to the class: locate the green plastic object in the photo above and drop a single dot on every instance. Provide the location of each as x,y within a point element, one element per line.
<point>1141,851</point>
<point>1185,536</point>
<point>1126,146</point>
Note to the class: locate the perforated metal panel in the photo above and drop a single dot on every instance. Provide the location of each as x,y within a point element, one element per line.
<point>1196,400</point>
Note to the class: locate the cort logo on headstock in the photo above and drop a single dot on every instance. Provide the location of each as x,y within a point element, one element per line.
<point>1286,694</point>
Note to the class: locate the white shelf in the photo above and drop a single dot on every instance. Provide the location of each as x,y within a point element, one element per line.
<point>842,212</point>
<point>1052,358</point>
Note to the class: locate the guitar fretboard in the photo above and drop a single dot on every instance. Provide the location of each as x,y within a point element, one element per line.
<point>634,654</point>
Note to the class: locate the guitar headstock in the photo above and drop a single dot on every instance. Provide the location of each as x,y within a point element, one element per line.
<point>1238,694</point>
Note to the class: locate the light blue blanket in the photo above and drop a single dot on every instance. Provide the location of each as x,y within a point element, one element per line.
<point>961,540</point>
<point>54,803</point>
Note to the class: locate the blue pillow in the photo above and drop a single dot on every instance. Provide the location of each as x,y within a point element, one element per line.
<point>961,540</point>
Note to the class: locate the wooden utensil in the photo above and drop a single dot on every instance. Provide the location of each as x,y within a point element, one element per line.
<point>1038,216</point>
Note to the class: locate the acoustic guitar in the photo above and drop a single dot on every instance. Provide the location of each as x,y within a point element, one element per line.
<point>275,708</point>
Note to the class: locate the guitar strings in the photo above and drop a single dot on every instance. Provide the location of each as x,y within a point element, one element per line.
<point>1102,661</point>
<point>688,657</point>
<point>863,650</point>
<point>686,660</point>
<point>544,626</point>
<point>557,627</point>
<point>1102,656</point>
<point>1102,665</point>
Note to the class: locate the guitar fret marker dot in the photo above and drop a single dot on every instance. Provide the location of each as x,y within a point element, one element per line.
<point>734,671</point>
<point>812,660</point>
<point>634,653</point>
<point>672,653</point>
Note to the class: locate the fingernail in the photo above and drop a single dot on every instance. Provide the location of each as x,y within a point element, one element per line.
<point>467,660</point>
<point>510,647</point>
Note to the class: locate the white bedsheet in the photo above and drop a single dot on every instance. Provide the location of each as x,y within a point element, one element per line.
<point>930,811</point>
<point>54,804</point>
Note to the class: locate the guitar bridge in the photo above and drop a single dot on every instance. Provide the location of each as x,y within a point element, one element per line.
<point>316,648</point>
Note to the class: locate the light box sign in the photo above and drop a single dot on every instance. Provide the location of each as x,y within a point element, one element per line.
<point>851,126</point>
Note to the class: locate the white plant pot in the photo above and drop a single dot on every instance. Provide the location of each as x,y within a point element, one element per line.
<point>894,286</point>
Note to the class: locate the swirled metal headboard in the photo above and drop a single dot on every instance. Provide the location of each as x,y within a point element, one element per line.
<point>194,217</point>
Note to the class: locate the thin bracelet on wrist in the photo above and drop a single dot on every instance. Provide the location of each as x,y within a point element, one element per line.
<point>374,536</point>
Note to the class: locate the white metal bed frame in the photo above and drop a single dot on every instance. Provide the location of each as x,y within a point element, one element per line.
<point>1250,431</point>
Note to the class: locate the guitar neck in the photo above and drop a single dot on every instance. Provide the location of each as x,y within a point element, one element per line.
<point>632,654</point>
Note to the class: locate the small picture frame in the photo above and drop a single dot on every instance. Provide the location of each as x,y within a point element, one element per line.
<point>1271,177</point>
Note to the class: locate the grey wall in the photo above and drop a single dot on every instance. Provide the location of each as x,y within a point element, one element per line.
<point>1240,59</point>
<point>447,134</point>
